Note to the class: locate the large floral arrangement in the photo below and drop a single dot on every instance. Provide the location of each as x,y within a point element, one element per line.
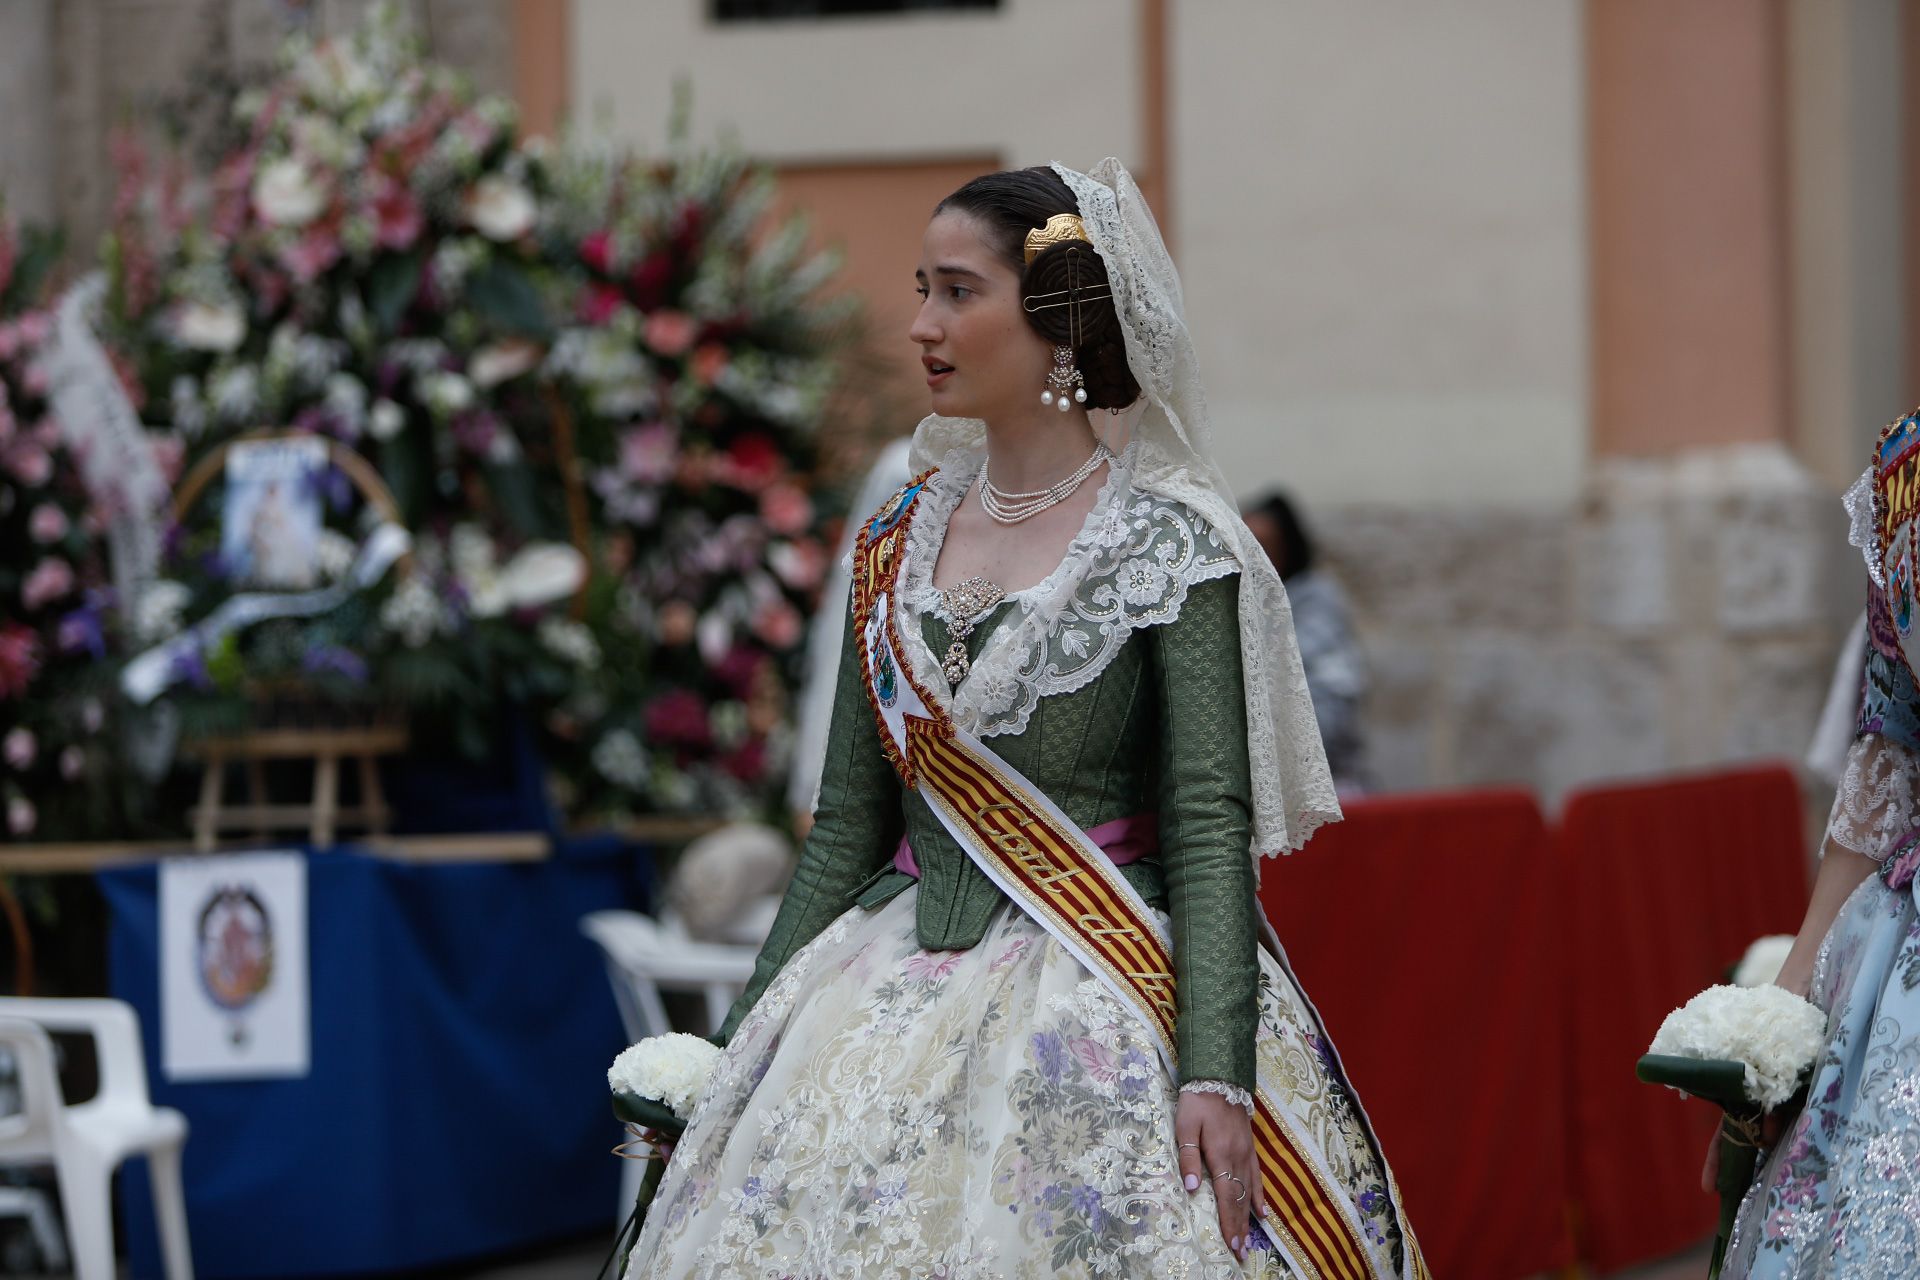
<point>589,383</point>
<point>56,619</point>
<point>700,356</point>
<point>369,269</point>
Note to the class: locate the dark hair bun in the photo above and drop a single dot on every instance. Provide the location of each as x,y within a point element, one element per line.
<point>1092,328</point>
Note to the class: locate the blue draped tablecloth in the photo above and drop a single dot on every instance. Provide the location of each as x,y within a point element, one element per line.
<point>457,1103</point>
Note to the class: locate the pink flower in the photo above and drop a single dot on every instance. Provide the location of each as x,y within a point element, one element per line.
<point>20,815</point>
<point>397,214</point>
<point>306,258</point>
<point>72,761</point>
<point>931,966</point>
<point>648,453</point>
<point>778,625</point>
<point>708,363</point>
<point>20,748</point>
<point>786,509</point>
<point>48,523</point>
<point>169,454</point>
<point>50,579</point>
<point>30,464</point>
<point>678,718</point>
<point>753,462</point>
<point>748,762</point>
<point>600,303</point>
<point>671,333</point>
<point>19,659</point>
<point>800,564</point>
<point>597,251</point>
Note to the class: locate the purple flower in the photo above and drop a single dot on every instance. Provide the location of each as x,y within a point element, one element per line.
<point>333,659</point>
<point>82,629</point>
<point>190,667</point>
<point>1086,1202</point>
<point>1370,1202</point>
<point>331,484</point>
<point>1050,1052</point>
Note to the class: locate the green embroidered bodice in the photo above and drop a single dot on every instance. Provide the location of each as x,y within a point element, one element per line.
<point>1161,728</point>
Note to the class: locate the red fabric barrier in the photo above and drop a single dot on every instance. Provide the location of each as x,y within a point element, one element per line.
<point>1666,884</point>
<point>1426,930</point>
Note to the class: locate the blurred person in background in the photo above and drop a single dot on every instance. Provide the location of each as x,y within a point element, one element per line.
<point>1330,651</point>
<point>961,1051</point>
<point>1838,1194</point>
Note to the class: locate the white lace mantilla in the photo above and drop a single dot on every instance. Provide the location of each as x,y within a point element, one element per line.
<point>1878,801</point>
<point>1130,566</point>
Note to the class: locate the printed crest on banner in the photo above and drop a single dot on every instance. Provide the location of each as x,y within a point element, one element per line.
<point>234,947</point>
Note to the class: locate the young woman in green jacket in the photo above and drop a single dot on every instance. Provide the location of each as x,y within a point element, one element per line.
<point>921,1080</point>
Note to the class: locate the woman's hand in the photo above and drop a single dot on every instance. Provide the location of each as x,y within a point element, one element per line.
<point>1216,1146</point>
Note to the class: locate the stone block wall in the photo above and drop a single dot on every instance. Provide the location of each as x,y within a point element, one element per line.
<point>1685,613</point>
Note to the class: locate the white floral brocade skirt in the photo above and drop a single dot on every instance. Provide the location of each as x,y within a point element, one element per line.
<point>887,1111</point>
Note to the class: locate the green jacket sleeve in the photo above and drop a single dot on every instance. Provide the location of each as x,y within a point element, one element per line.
<point>1206,832</point>
<point>855,828</point>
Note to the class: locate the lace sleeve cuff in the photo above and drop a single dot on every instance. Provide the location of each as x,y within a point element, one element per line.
<point>1878,801</point>
<point>1231,1092</point>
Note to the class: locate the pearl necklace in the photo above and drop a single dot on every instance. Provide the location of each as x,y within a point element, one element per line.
<point>1012,508</point>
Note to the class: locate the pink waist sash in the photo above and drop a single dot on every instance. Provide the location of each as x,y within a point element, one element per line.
<point>1124,840</point>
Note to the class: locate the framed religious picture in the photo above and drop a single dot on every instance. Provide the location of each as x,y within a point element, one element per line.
<point>270,521</point>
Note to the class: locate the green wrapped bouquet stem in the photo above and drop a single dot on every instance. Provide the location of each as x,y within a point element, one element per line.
<point>1724,1083</point>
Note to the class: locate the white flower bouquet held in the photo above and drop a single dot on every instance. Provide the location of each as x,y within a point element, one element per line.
<point>656,1085</point>
<point>671,1070</point>
<point>1773,1034</point>
<point>1751,1050</point>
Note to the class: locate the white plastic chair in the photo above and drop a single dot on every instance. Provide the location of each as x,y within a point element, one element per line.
<point>645,957</point>
<point>87,1142</point>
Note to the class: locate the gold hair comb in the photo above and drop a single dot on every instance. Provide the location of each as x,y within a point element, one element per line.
<point>1060,228</point>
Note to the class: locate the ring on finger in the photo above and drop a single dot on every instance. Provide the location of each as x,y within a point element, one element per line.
<point>1183,1146</point>
<point>1243,1186</point>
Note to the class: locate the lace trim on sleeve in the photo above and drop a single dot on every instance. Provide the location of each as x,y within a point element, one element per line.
<point>1878,802</point>
<point>1860,530</point>
<point>1231,1092</point>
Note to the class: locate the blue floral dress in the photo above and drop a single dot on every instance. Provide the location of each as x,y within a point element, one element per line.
<point>1840,1194</point>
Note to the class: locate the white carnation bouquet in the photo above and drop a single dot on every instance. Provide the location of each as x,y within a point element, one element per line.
<point>671,1070</point>
<point>1752,1050</point>
<point>656,1085</point>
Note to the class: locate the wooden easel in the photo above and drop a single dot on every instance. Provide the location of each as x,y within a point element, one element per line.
<point>323,815</point>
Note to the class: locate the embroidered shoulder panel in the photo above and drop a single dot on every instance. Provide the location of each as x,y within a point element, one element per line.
<point>1130,566</point>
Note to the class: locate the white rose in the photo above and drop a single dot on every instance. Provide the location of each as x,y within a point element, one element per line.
<point>500,208</point>
<point>285,194</point>
<point>446,393</point>
<point>333,554</point>
<point>161,607</point>
<point>204,326</point>
<point>386,419</point>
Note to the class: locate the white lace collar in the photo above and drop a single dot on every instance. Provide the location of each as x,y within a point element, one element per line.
<point>1130,566</point>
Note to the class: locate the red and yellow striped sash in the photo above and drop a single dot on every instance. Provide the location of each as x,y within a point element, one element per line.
<point>1046,864</point>
<point>1082,900</point>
